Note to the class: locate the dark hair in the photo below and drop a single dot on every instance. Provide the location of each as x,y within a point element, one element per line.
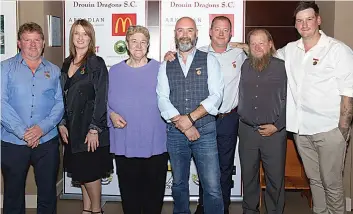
<point>222,18</point>
<point>303,5</point>
<point>30,27</point>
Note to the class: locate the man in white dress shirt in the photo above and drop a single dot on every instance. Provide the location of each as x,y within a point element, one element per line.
<point>319,106</point>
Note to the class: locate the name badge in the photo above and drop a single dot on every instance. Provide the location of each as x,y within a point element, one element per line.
<point>315,61</point>
<point>198,71</point>
<point>47,74</point>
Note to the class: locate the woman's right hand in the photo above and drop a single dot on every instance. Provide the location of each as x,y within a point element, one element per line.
<point>64,133</point>
<point>117,120</point>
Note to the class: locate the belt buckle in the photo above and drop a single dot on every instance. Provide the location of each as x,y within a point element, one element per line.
<point>221,115</point>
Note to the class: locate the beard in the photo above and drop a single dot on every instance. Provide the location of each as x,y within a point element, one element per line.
<point>185,44</point>
<point>260,63</point>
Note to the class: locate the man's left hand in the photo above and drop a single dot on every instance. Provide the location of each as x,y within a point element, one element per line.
<point>183,123</point>
<point>267,130</point>
<point>33,134</point>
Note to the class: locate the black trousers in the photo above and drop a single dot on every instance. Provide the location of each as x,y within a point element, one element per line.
<point>272,152</point>
<point>142,183</point>
<point>227,133</point>
<point>15,162</point>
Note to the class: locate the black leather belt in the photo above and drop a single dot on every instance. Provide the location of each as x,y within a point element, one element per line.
<point>225,114</point>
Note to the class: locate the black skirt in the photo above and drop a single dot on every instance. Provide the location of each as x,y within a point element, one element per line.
<point>85,167</point>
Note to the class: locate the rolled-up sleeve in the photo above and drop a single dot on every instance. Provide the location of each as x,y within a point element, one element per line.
<point>215,86</point>
<point>344,70</point>
<point>166,108</point>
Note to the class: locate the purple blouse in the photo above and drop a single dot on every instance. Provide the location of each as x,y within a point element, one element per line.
<point>132,94</point>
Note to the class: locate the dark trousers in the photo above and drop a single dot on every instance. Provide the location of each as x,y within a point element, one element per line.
<point>227,133</point>
<point>15,162</point>
<point>142,183</point>
<point>272,152</point>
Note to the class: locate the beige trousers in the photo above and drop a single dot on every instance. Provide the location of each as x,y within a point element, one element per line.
<point>323,157</point>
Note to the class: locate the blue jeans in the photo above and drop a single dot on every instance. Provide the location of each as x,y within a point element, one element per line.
<point>205,154</point>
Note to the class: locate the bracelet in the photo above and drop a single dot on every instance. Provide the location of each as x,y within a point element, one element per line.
<point>191,120</point>
<point>93,132</point>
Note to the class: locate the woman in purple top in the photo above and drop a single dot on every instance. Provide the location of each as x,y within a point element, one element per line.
<point>137,132</point>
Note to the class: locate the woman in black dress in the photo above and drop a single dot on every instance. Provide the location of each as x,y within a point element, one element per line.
<point>84,128</point>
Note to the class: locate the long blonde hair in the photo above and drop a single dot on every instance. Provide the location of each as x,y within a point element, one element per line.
<point>87,26</point>
<point>269,37</point>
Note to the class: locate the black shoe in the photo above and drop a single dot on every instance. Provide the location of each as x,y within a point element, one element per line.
<point>199,209</point>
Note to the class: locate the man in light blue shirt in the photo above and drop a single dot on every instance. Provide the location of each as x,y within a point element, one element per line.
<point>31,107</point>
<point>190,91</point>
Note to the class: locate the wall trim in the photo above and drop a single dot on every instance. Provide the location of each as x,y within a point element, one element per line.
<point>348,204</point>
<point>31,201</point>
<point>59,187</point>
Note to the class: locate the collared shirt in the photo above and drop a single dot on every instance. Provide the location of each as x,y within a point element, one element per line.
<point>316,81</point>
<point>262,94</point>
<point>29,99</point>
<point>215,86</point>
<point>230,61</point>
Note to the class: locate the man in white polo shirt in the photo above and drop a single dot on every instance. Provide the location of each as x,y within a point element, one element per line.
<point>319,106</point>
<point>231,60</point>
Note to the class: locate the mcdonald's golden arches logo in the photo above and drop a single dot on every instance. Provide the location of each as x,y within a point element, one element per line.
<point>121,22</point>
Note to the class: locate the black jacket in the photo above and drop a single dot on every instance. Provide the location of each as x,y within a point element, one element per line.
<point>86,102</point>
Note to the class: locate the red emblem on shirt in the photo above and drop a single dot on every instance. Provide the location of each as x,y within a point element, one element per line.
<point>315,61</point>
<point>234,64</point>
<point>47,74</point>
<point>83,70</point>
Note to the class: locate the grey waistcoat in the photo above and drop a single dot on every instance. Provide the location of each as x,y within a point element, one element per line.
<point>187,93</point>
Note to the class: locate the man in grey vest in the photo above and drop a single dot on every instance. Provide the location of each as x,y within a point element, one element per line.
<point>190,92</point>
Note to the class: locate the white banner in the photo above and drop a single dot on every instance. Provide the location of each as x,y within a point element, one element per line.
<point>236,192</point>
<point>110,20</point>
<point>203,13</point>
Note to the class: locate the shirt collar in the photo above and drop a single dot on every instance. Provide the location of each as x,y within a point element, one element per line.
<point>323,41</point>
<point>210,48</point>
<point>192,53</point>
<point>20,59</point>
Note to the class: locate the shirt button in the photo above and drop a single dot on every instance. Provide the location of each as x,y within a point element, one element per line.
<point>32,95</point>
<point>32,105</point>
<point>258,76</point>
<point>255,107</point>
<point>33,84</point>
<point>257,86</point>
<point>31,116</point>
<point>256,96</point>
<point>186,99</point>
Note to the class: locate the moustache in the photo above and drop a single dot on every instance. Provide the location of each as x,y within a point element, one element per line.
<point>184,39</point>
